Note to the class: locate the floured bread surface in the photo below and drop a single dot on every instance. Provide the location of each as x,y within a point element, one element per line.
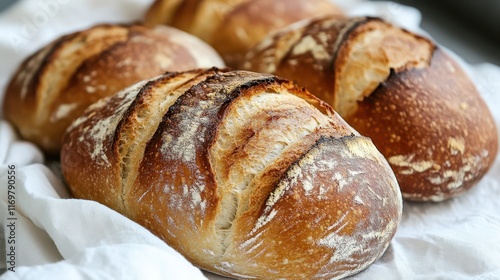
<point>367,58</point>
<point>442,139</point>
<point>245,174</point>
<point>420,109</point>
<point>54,86</point>
<point>347,57</point>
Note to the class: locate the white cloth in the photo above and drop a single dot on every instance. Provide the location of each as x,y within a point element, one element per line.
<point>95,241</point>
<point>60,238</point>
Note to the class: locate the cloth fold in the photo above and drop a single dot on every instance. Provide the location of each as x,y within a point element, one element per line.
<point>79,239</point>
<point>58,237</point>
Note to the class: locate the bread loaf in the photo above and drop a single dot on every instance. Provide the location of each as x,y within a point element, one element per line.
<point>417,105</point>
<point>55,85</point>
<point>233,26</point>
<point>245,174</point>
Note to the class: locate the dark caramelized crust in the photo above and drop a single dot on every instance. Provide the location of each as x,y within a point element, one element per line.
<point>421,110</point>
<point>439,140</point>
<point>245,174</point>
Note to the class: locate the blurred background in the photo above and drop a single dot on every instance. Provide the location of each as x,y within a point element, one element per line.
<point>469,28</point>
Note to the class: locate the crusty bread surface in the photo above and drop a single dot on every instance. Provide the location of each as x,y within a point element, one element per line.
<point>416,103</point>
<point>245,174</point>
<point>56,84</point>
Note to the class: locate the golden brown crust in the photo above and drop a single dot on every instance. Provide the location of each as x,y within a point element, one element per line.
<point>306,50</point>
<point>418,106</point>
<point>233,26</point>
<point>162,11</point>
<point>347,217</point>
<point>55,85</point>
<point>268,181</point>
<point>90,139</point>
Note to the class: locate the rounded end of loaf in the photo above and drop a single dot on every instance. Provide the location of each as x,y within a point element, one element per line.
<point>442,137</point>
<point>232,27</point>
<point>420,109</point>
<point>55,85</point>
<point>269,181</point>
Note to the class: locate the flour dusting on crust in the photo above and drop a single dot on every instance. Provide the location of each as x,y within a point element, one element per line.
<point>63,111</point>
<point>28,73</point>
<point>348,247</point>
<point>95,136</point>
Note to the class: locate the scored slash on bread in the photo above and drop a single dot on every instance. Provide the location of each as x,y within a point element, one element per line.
<point>245,174</point>
<point>55,85</point>
<point>417,105</point>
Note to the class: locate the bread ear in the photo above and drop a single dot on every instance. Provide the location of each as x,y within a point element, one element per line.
<point>55,85</point>
<point>267,179</point>
<point>421,110</point>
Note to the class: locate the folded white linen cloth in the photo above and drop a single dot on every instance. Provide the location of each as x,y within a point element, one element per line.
<point>94,241</point>
<point>62,238</point>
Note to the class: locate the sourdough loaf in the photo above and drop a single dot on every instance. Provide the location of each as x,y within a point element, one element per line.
<point>53,87</point>
<point>245,174</point>
<point>233,26</point>
<point>417,105</point>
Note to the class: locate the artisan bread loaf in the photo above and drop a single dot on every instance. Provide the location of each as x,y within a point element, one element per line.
<point>233,26</point>
<point>417,105</point>
<point>245,174</point>
<point>55,85</point>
